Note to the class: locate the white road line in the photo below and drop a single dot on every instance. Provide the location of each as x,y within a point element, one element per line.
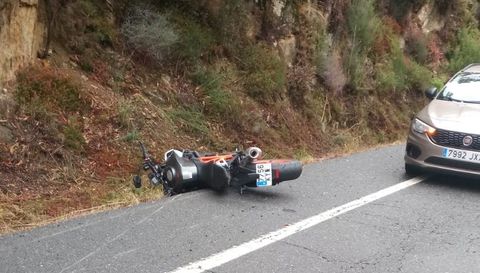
<point>238,251</point>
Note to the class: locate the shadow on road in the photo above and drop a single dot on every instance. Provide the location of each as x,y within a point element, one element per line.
<point>249,194</point>
<point>455,182</point>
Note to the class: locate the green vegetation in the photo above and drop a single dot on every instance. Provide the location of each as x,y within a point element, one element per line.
<point>190,121</point>
<point>303,155</point>
<point>150,32</point>
<point>400,8</point>
<point>265,74</point>
<point>363,26</point>
<point>49,89</point>
<point>125,115</point>
<point>401,74</point>
<point>220,103</point>
<point>417,48</point>
<point>320,47</point>
<point>195,40</point>
<point>232,25</point>
<point>73,135</point>
<point>467,49</point>
<point>132,136</point>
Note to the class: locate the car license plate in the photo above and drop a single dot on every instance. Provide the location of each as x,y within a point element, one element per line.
<point>461,155</point>
<point>264,172</point>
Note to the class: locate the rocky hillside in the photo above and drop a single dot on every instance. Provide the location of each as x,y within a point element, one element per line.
<point>21,35</point>
<point>82,81</point>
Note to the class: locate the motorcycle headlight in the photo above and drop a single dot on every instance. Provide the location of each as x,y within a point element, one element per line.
<point>422,128</point>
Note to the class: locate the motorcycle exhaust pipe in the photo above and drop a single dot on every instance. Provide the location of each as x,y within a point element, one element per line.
<point>253,153</point>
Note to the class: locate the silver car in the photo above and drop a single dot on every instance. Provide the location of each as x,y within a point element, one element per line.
<point>445,135</point>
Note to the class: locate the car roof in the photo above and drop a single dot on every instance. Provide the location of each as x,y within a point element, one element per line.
<point>473,68</point>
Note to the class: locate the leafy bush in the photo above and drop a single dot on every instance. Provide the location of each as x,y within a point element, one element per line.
<point>467,50</point>
<point>149,32</point>
<point>265,73</point>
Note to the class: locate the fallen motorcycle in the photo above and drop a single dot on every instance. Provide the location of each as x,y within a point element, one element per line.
<point>186,170</point>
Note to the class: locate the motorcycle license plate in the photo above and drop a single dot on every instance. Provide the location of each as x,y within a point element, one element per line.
<point>462,155</point>
<point>265,178</point>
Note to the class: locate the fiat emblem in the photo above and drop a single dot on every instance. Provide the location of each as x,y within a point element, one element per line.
<point>467,141</point>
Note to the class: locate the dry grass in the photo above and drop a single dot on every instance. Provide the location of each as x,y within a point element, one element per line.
<point>25,212</point>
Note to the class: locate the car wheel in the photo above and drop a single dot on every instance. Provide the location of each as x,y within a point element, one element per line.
<point>412,170</point>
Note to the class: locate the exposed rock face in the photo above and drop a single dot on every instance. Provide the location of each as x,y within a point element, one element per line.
<point>288,49</point>
<point>430,19</point>
<point>278,6</point>
<point>20,35</point>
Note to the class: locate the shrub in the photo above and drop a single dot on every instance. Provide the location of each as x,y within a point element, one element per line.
<point>303,154</point>
<point>218,102</point>
<point>400,8</point>
<point>125,115</point>
<point>419,77</point>
<point>149,32</point>
<point>131,136</point>
<point>73,137</point>
<point>333,74</point>
<point>51,88</point>
<point>355,68</point>
<point>232,25</point>
<point>436,54</point>
<point>417,47</point>
<point>195,39</point>
<point>467,50</point>
<point>321,48</point>
<point>444,6</point>
<point>191,121</point>
<point>363,23</point>
<point>363,27</point>
<point>97,24</point>
<point>400,74</point>
<point>439,81</point>
<point>265,73</point>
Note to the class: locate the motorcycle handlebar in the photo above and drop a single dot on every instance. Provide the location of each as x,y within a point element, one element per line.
<point>144,150</point>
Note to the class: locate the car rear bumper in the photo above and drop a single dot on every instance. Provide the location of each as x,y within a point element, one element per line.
<point>423,153</point>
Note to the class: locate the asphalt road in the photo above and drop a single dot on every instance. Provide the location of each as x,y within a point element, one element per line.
<point>432,226</point>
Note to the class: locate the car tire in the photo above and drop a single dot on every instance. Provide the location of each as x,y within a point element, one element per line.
<point>412,170</point>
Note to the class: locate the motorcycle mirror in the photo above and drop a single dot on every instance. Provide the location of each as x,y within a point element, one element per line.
<point>137,181</point>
